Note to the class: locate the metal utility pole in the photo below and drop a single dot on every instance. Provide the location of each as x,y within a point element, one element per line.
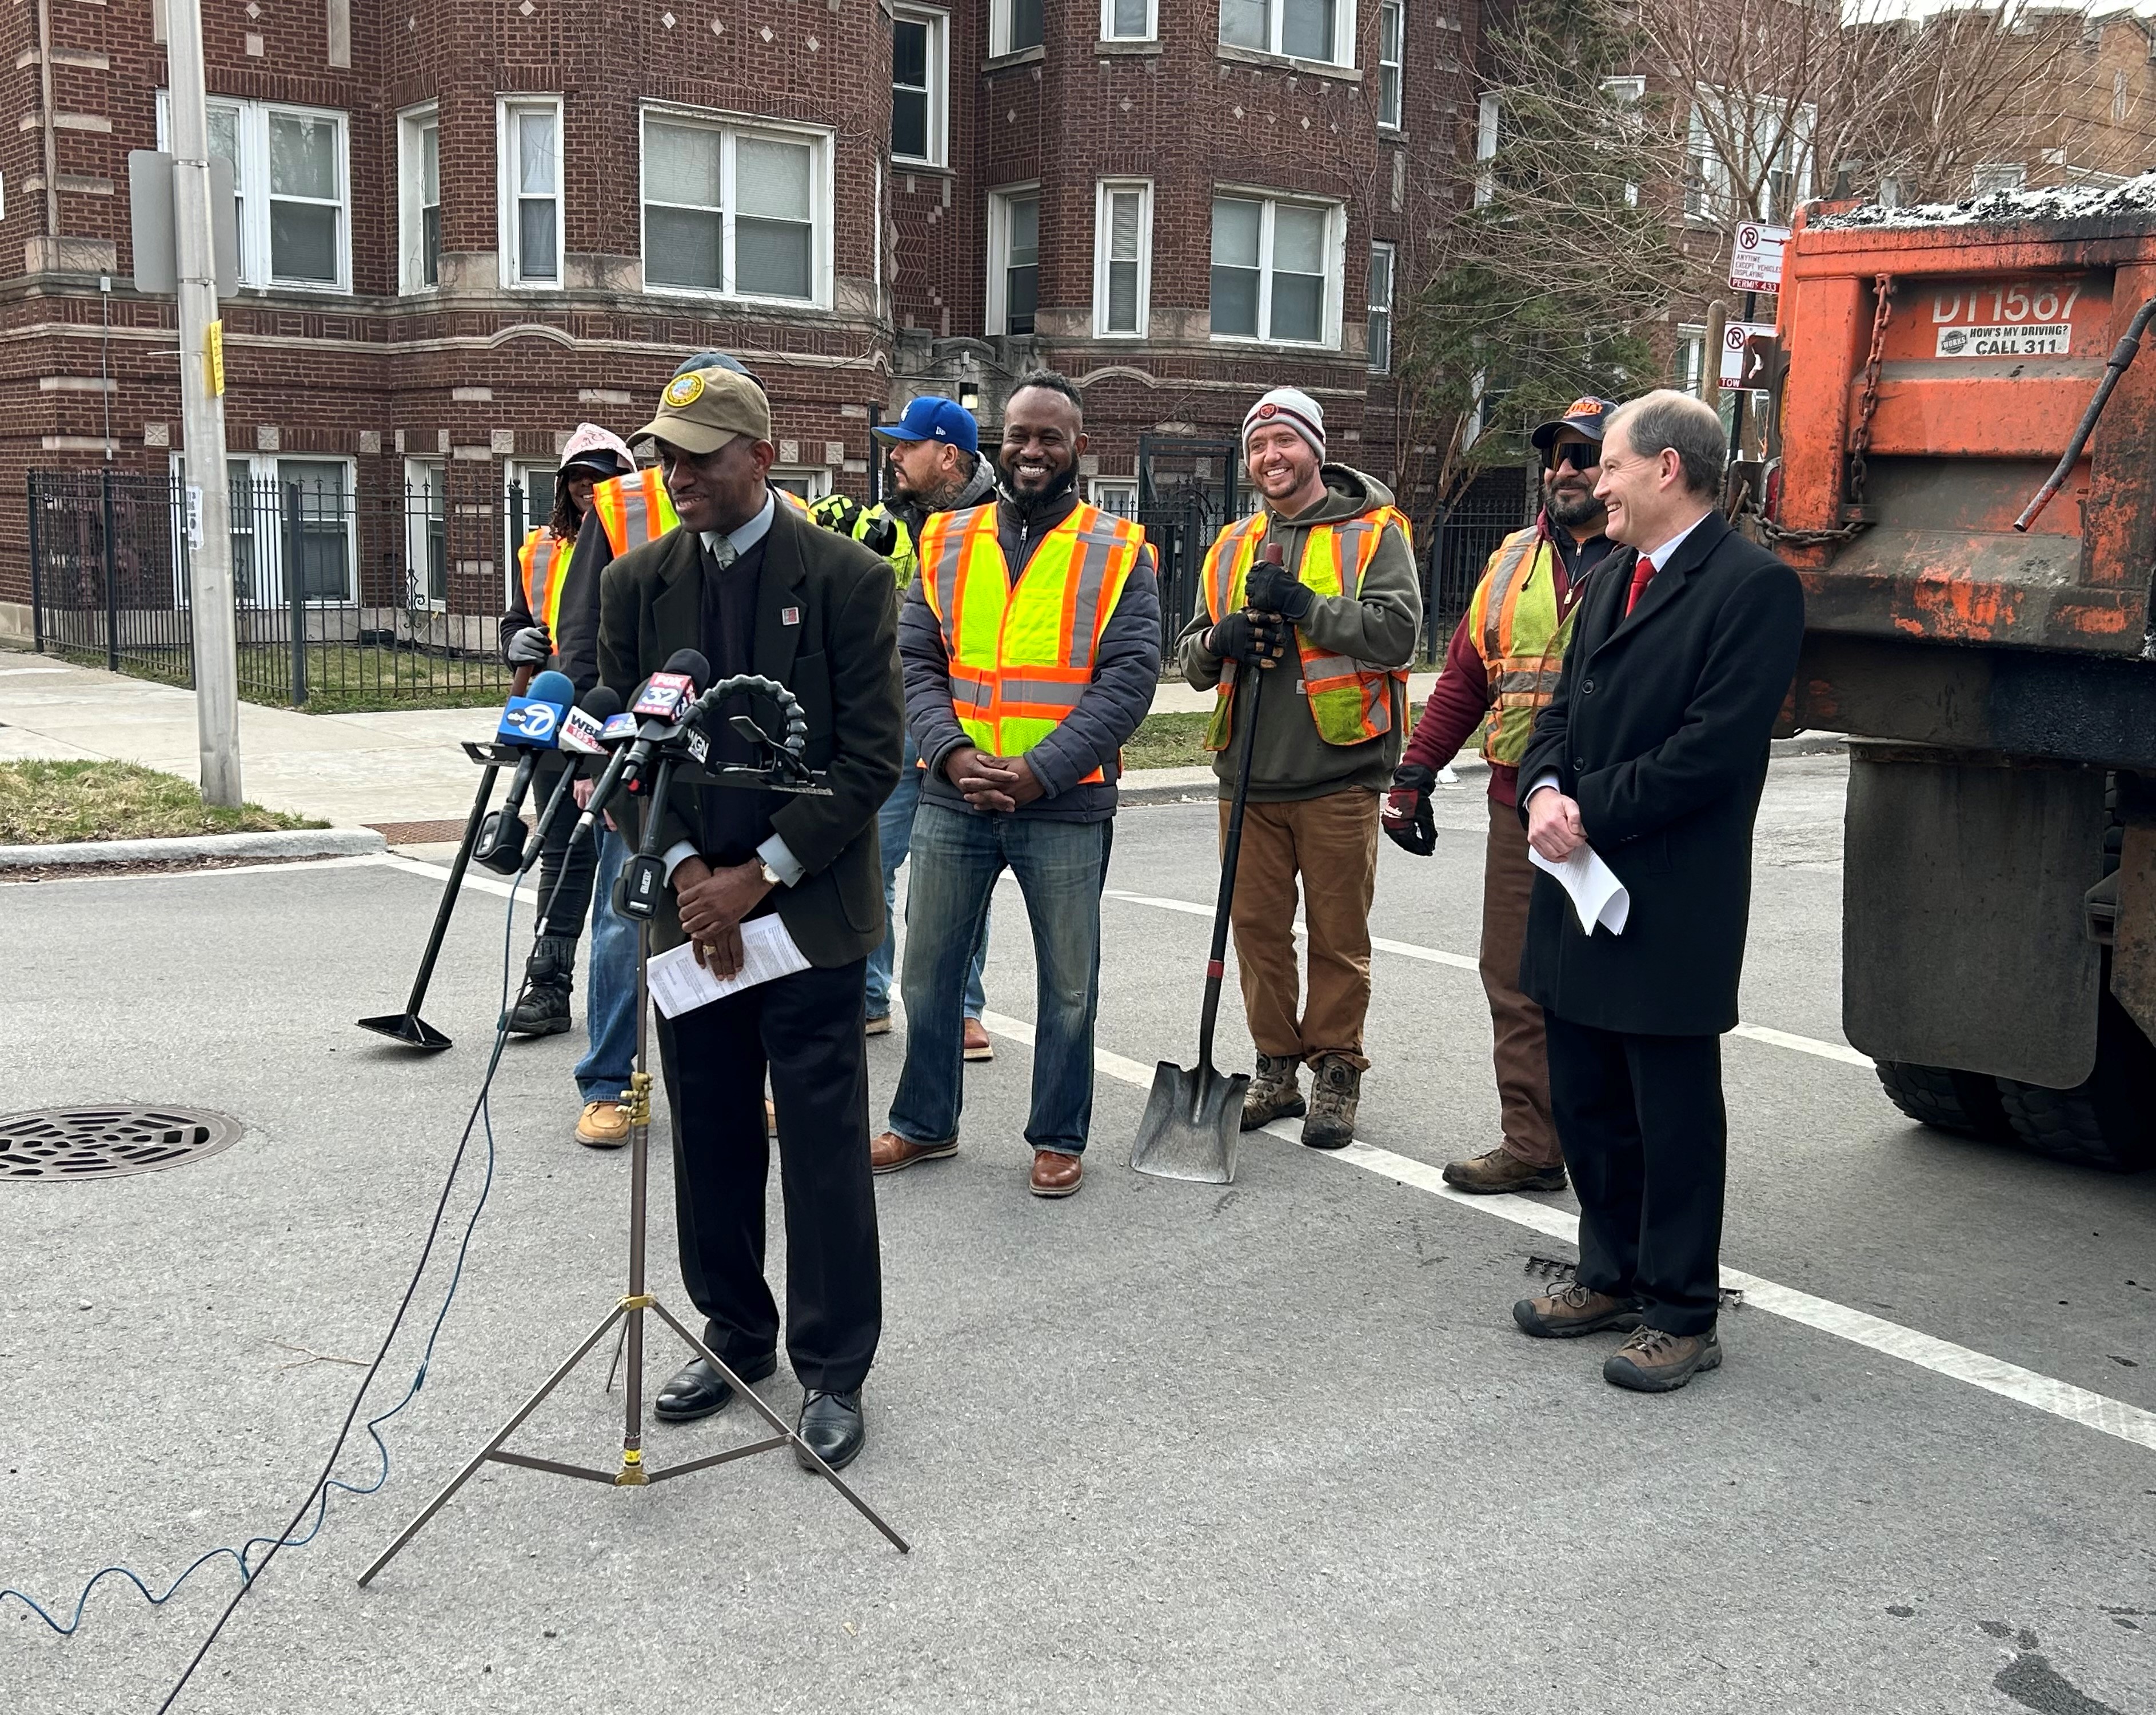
<point>202,410</point>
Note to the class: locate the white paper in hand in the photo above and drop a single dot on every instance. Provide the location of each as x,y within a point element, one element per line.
<point>679,985</point>
<point>1596,893</point>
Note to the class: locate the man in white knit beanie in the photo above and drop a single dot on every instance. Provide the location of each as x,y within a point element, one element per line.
<point>1332,630</point>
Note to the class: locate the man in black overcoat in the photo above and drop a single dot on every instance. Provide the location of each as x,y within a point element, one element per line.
<point>1654,753</point>
<point>756,588</point>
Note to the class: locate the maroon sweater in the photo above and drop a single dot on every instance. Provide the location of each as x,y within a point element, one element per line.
<point>1459,700</point>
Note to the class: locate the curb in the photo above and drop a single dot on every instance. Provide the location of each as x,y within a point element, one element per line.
<point>282,843</point>
<point>1157,785</point>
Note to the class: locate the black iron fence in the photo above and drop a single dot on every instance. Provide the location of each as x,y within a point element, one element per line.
<point>1188,486</point>
<point>341,599</point>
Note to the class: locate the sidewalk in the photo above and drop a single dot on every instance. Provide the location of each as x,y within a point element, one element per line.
<point>350,770</point>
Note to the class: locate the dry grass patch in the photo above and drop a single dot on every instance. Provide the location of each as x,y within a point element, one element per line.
<point>59,803</point>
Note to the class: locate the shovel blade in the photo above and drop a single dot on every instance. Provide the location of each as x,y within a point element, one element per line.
<point>408,1028</point>
<point>1193,1120</point>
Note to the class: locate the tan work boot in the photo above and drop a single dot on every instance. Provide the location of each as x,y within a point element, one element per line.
<point>1655,1361</point>
<point>1501,1170</point>
<point>1577,1310</point>
<point>603,1125</point>
<point>976,1045</point>
<point>1274,1093</point>
<point>1334,1092</point>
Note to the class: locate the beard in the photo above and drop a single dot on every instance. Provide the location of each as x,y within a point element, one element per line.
<point>1059,485</point>
<point>1570,508</point>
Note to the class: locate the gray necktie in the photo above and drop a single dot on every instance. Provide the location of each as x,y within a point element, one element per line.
<point>723,552</point>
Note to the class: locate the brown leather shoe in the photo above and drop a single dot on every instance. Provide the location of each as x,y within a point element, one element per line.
<point>978,1045</point>
<point>888,1151</point>
<point>1501,1170</point>
<point>1055,1174</point>
<point>1577,1310</point>
<point>1654,1361</point>
<point>603,1125</point>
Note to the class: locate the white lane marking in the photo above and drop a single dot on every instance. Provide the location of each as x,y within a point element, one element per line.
<point>23,672</point>
<point>1995,1375</point>
<point>486,882</point>
<point>1436,956</point>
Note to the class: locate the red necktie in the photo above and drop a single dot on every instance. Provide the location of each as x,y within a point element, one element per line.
<point>1641,574</point>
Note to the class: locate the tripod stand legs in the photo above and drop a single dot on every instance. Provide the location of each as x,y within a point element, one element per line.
<point>492,1448</point>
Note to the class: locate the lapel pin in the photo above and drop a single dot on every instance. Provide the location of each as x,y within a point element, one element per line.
<point>789,616</point>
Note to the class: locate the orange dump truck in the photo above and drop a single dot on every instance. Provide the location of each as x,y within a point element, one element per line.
<point>1936,365</point>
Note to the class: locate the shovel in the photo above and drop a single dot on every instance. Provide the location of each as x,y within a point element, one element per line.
<point>1192,1118</point>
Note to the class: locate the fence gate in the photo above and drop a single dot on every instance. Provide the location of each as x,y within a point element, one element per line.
<point>1188,486</point>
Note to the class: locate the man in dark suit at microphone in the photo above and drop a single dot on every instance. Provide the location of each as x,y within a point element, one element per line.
<point>757,588</point>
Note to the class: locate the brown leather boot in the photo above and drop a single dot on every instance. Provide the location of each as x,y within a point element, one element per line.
<point>1501,1170</point>
<point>1055,1174</point>
<point>888,1151</point>
<point>1274,1093</point>
<point>1577,1310</point>
<point>1334,1093</point>
<point>1655,1361</point>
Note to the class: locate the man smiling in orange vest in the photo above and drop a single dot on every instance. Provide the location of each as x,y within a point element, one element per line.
<point>1326,737</point>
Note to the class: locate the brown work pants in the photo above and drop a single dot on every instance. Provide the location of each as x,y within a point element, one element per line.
<point>1522,1059</point>
<point>1333,843</point>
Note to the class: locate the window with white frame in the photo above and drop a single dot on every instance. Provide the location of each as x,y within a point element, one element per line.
<point>1772,142</point>
<point>807,482</point>
<point>1689,362</point>
<point>1129,20</point>
<point>920,82</point>
<point>282,504</point>
<point>1014,259</point>
<point>1276,271</point>
<point>529,147</point>
<point>420,199</point>
<point>1116,495</point>
<point>1381,308</point>
<point>1323,30</point>
<point>1992,176</point>
<point>738,213</point>
<point>1488,115</point>
<point>426,530</point>
<point>1015,25</point>
<point>1122,258</point>
<point>291,182</point>
<point>1392,39</point>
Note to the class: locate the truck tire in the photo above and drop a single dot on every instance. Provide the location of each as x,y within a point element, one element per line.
<point>2106,1122</point>
<point>1946,1099</point>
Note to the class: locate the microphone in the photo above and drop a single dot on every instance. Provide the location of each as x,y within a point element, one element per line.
<point>532,724</point>
<point>664,703</point>
<point>583,733</point>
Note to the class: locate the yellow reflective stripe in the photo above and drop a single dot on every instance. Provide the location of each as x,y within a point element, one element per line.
<point>1497,592</point>
<point>544,558</point>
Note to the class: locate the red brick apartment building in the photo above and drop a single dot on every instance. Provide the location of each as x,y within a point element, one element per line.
<point>465,226</point>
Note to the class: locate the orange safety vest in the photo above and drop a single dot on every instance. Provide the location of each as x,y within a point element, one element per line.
<point>635,509</point>
<point>1350,700</point>
<point>544,561</point>
<point>1021,655</point>
<point>1513,623</point>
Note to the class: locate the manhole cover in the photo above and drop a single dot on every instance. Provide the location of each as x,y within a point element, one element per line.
<point>102,1142</point>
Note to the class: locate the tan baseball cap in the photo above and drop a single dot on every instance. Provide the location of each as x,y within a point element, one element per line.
<point>703,410</point>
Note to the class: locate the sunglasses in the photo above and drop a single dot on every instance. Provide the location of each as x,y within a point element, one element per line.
<point>1581,455</point>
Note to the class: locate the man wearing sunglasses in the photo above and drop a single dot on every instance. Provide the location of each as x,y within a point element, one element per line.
<point>1500,670</point>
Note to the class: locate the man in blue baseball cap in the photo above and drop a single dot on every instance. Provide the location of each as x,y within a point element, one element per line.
<point>936,466</point>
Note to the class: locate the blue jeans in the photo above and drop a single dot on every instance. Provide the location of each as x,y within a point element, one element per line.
<point>1060,867</point>
<point>610,985</point>
<point>895,835</point>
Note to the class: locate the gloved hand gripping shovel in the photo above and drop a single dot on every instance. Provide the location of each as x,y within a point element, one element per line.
<point>1193,1118</point>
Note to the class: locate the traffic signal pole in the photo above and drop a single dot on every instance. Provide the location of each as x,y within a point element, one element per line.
<point>202,410</point>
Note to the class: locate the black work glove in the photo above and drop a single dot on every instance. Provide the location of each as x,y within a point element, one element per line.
<point>1274,589</point>
<point>1407,818</point>
<point>530,648</point>
<point>1255,639</point>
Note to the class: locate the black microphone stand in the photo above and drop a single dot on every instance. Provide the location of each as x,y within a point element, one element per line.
<point>781,770</point>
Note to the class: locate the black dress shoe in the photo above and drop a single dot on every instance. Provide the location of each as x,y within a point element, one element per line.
<point>697,1390</point>
<point>831,1423</point>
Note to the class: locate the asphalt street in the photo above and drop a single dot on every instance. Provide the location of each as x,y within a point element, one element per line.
<point>1161,1447</point>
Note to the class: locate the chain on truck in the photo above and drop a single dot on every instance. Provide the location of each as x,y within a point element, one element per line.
<point>1958,465</point>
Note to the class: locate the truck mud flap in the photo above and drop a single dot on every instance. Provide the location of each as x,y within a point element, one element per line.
<point>1963,943</point>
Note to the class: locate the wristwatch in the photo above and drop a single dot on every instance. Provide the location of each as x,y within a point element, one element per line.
<point>772,878</point>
